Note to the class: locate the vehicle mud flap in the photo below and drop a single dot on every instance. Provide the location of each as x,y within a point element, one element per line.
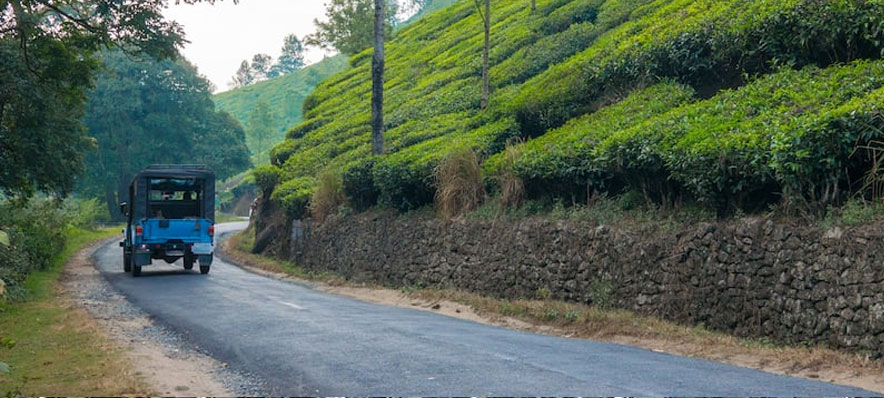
<point>206,260</point>
<point>142,259</point>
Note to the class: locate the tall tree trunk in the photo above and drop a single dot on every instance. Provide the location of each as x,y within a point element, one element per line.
<point>377,80</point>
<point>113,207</point>
<point>487,23</point>
<point>533,5</point>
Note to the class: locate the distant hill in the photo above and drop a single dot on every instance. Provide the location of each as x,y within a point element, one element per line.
<point>284,94</point>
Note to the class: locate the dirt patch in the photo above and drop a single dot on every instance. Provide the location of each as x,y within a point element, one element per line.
<point>165,369</point>
<point>613,326</point>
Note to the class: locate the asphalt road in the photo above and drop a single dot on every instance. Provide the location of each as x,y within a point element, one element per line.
<point>304,342</point>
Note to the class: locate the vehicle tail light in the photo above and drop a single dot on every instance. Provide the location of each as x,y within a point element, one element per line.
<point>139,230</point>
<point>211,230</point>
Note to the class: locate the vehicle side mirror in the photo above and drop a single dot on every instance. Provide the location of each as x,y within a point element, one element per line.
<point>124,208</point>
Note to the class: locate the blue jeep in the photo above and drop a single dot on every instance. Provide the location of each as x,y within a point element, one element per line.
<point>171,215</point>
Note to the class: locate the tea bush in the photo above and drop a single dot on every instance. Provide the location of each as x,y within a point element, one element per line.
<point>785,133</point>
<point>562,162</point>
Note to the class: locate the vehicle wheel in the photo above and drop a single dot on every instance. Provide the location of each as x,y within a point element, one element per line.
<point>188,262</point>
<point>136,269</point>
<point>127,262</point>
<point>204,269</point>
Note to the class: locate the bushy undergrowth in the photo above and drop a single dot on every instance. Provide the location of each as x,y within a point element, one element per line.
<point>556,73</point>
<point>36,234</point>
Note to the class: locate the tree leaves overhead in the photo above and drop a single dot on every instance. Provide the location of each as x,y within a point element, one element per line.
<point>144,111</point>
<point>47,49</point>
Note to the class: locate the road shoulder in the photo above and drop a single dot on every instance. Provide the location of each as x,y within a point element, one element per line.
<point>157,356</point>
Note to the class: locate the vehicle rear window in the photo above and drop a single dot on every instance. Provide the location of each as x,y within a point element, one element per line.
<point>175,198</point>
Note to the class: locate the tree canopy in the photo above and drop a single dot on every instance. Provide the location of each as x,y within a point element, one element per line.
<point>291,59</point>
<point>48,51</point>
<point>144,111</point>
<point>349,26</point>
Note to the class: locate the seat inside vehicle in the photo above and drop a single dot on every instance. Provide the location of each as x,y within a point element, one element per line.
<point>175,199</point>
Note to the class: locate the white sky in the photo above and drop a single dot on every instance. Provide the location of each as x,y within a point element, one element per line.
<point>223,35</point>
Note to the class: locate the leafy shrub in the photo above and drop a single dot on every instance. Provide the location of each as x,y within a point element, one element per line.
<point>85,213</point>
<point>294,196</point>
<point>358,184</point>
<point>36,234</point>
<point>266,177</point>
<point>563,162</point>
<point>458,183</point>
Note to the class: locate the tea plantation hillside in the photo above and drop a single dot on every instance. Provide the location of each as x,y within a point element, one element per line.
<point>732,104</point>
<point>284,95</point>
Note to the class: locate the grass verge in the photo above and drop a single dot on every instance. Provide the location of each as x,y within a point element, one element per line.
<point>591,322</point>
<point>60,350</point>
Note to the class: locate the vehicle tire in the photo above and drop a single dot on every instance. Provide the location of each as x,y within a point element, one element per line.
<point>188,262</point>
<point>136,269</point>
<point>127,262</point>
<point>204,269</point>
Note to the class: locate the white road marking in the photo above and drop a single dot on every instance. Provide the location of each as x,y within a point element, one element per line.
<point>295,306</point>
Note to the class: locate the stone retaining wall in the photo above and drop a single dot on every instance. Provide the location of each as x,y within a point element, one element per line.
<point>795,284</point>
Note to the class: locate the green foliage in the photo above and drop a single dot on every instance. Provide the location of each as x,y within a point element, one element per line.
<point>562,162</point>
<point>36,234</point>
<point>85,214</point>
<point>349,26</point>
<point>791,132</point>
<point>143,112</point>
<point>42,142</point>
<point>7,343</point>
<point>48,52</point>
<point>708,44</point>
<point>260,131</point>
<point>294,196</point>
<point>608,87</point>
<point>600,293</point>
<point>290,59</point>
<point>266,177</point>
<point>854,212</point>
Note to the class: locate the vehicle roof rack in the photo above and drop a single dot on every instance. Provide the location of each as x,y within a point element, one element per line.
<point>177,166</point>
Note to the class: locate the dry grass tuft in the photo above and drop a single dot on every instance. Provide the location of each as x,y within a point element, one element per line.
<point>329,194</point>
<point>459,186</point>
<point>512,187</point>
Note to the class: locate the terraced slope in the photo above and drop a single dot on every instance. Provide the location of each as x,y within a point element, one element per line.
<point>556,74</point>
<point>284,95</point>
